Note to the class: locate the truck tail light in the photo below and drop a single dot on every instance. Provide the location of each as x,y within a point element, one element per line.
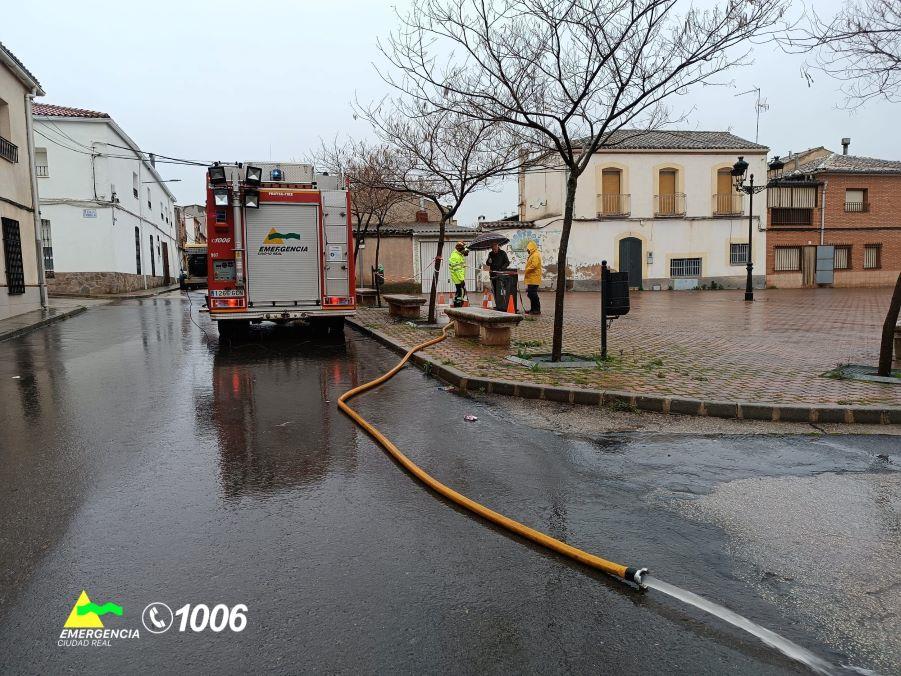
<point>338,300</point>
<point>229,303</point>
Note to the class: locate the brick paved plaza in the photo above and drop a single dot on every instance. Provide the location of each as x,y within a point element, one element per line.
<point>703,344</point>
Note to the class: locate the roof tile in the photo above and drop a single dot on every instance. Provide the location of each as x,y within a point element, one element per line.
<point>50,110</point>
<point>643,139</point>
<point>848,164</point>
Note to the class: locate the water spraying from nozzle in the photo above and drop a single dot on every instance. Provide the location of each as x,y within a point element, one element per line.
<point>771,638</point>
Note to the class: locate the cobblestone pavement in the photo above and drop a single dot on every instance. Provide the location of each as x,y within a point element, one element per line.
<point>704,344</point>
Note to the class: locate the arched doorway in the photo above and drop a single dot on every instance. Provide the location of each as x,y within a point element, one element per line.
<point>630,259</point>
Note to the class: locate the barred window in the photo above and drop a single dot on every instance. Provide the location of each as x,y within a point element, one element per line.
<point>871,256</point>
<point>788,259</point>
<point>12,255</point>
<point>47,244</point>
<point>842,258</point>
<point>738,254</point>
<point>685,267</point>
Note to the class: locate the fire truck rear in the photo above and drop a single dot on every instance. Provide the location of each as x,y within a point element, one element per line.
<point>280,246</point>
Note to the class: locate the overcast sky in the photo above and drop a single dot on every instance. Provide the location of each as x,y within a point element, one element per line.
<point>233,81</point>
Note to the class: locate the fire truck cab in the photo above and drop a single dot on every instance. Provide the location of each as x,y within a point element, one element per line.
<point>280,246</point>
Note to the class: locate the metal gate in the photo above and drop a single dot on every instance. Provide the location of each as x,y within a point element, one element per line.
<point>283,257</point>
<point>428,249</point>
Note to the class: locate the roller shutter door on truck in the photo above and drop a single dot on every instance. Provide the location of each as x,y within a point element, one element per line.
<point>283,255</point>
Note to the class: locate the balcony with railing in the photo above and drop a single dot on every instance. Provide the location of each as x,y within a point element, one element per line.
<point>669,205</point>
<point>613,205</point>
<point>9,150</point>
<point>857,207</point>
<point>728,204</point>
<point>42,170</point>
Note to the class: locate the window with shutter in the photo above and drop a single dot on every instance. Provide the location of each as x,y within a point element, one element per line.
<point>788,259</point>
<point>871,256</point>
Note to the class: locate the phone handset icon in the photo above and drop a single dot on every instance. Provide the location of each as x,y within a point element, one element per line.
<point>156,621</point>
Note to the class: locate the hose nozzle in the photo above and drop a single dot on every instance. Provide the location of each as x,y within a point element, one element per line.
<point>635,575</point>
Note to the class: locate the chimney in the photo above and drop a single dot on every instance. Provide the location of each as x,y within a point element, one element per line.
<point>845,143</point>
<point>422,216</point>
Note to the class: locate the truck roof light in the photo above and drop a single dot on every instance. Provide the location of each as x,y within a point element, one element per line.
<point>220,197</point>
<point>276,174</point>
<point>216,174</point>
<point>252,199</point>
<point>254,175</point>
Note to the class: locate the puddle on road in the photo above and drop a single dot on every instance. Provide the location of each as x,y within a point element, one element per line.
<point>824,548</point>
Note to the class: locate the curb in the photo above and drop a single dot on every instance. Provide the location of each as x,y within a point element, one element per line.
<point>125,295</point>
<point>46,321</point>
<point>634,401</point>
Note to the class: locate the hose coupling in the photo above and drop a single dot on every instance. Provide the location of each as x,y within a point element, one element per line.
<point>635,575</point>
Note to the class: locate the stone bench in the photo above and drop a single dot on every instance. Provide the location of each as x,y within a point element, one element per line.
<point>366,297</point>
<point>403,305</point>
<point>495,326</point>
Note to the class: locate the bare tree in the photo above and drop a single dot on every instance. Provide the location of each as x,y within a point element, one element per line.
<point>888,332</point>
<point>567,75</point>
<point>860,45</point>
<point>441,156</point>
<point>368,167</point>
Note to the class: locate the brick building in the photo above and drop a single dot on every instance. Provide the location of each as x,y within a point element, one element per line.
<point>848,202</point>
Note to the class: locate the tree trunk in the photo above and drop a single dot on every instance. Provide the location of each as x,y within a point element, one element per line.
<point>557,345</point>
<point>433,317</point>
<point>375,272</point>
<point>888,332</point>
<point>378,246</point>
<point>362,229</point>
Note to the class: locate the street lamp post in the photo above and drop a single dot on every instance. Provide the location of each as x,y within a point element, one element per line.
<point>739,170</point>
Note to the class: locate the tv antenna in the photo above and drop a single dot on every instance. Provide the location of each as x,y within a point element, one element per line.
<point>761,104</point>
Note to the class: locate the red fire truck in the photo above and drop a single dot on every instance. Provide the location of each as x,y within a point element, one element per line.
<point>280,246</point>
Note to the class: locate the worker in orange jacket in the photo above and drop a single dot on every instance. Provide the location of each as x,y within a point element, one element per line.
<point>533,278</point>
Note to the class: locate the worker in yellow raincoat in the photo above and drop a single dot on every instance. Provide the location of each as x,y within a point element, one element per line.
<point>533,278</point>
<point>457,267</point>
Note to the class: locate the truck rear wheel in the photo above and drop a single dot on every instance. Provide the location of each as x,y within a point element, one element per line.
<point>233,328</point>
<point>328,326</point>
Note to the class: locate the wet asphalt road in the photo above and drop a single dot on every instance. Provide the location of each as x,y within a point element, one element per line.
<point>142,461</point>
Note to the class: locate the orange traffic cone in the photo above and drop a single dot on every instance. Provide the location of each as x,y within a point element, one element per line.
<point>441,299</point>
<point>485,300</point>
<point>511,306</point>
<point>465,301</point>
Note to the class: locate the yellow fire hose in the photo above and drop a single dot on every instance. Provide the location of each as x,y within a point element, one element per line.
<point>629,573</point>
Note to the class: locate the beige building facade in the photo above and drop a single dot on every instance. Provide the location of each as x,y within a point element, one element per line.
<point>659,205</point>
<point>21,277</point>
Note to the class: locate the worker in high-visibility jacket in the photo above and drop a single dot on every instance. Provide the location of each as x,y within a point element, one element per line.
<point>533,278</point>
<point>457,266</point>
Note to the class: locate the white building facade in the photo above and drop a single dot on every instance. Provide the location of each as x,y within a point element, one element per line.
<point>108,216</point>
<point>660,205</point>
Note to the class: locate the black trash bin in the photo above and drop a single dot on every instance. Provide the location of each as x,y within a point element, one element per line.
<point>505,287</point>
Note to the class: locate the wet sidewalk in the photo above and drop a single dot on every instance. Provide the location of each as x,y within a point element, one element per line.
<point>705,345</point>
<point>59,309</point>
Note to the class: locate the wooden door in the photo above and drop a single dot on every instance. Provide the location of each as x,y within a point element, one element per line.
<point>667,196</point>
<point>612,188</point>
<point>166,279</point>
<point>809,266</point>
<point>724,192</point>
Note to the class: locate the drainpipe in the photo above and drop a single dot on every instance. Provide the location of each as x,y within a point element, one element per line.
<point>823,215</point>
<point>35,200</point>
